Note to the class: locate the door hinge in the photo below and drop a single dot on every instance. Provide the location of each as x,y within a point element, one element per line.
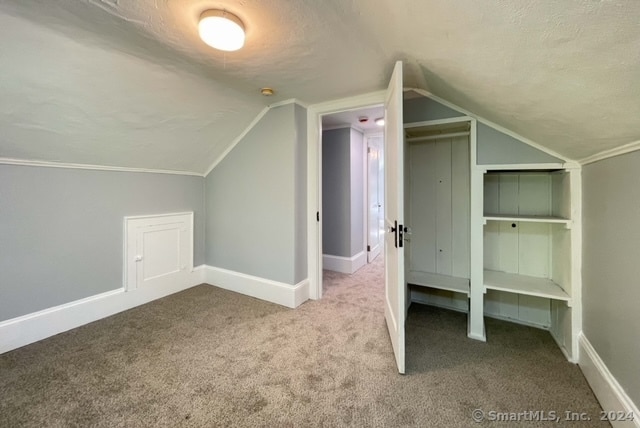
<point>318,216</point>
<point>368,149</point>
<point>368,247</point>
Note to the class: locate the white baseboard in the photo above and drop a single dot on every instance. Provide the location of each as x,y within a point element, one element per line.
<point>30,328</point>
<point>610,394</point>
<point>344,264</point>
<point>280,293</point>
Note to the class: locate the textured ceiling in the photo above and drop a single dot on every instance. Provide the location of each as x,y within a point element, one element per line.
<point>128,83</point>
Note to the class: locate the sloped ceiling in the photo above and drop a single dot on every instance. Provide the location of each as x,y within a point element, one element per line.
<point>129,83</point>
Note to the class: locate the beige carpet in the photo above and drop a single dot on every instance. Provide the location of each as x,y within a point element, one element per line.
<point>208,357</point>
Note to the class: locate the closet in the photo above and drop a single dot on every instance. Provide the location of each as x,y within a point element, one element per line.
<point>493,225</point>
<point>437,209</point>
<point>529,248</point>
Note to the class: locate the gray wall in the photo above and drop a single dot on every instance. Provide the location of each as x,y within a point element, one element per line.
<point>301,194</point>
<point>423,108</point>
<point>61,230</point>
<point>611,272</point>
<point>493,146</point>
<point>343,192</point>
<point>255,199</point>
<point>336,192</point>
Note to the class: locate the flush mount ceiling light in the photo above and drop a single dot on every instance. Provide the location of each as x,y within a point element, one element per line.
<point>221,30</point>
<point>380,121</point>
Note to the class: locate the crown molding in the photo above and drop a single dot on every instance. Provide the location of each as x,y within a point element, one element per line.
<point>606,154</point>
<point>66,165</point>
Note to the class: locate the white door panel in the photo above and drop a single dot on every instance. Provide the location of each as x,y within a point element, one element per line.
<point>395,287</point>
<point>159,249</point>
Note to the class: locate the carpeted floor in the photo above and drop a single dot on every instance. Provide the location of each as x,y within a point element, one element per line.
<point>208,357</point>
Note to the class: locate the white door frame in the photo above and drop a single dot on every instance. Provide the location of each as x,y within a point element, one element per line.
<point>367,208</point>
<point>314,175</point>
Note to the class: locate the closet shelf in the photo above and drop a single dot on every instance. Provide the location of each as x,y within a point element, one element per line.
<point>523,284</point>
<point>528,218</point>
<point>441,282</point>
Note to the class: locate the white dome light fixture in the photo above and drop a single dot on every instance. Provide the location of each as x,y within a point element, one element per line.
<point>221,30</point>
<point>380,121</point>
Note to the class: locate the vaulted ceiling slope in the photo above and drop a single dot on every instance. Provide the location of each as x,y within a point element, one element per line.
<point>128,83</point>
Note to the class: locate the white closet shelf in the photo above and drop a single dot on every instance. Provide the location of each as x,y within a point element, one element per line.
<point>523,284</point>
<point>529,218</point>
<point>441,282</point>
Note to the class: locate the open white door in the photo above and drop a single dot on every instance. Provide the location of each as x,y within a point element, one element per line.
<point>395,288</point>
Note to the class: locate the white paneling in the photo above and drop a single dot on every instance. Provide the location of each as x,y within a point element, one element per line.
<point>501,305</point>
<point>534,194</point>
<point>439,206</point>
<point>491,244</point>
<point>491,194</point>
<point>440,298</point>
<point>534,310</point>
<point>561,260</point>
<point>422,213</point>
<point>561,194</point>
<point>443,207</point>
<point>508,244</point>
<point>508,194</point>
<point>533,251</point>
<point>461,211</point>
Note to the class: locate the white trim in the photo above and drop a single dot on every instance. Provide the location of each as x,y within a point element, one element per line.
<point>608,391</point>
<point>280,293</point>
<point>521,166</point>
<point>344,264</point>
<point>253,123</point>
<point>48,164</point>
<point>30,328</point>
<point>490,124</point>
<point>239,138</point>
<point>457,119</point>
<point>606,154</point>
<point>288,101</point>
<point>314,184</point>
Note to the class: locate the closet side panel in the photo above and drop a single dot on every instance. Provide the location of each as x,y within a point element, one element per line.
<point>444,260</point>
<point>460,185</point>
